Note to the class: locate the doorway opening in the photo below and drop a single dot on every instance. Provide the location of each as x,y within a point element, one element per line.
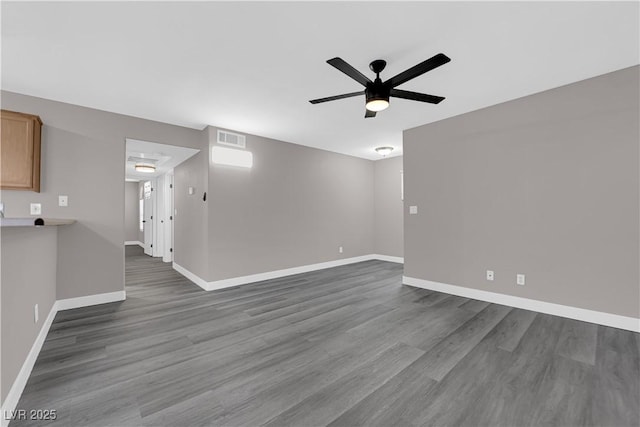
<point>149,201</point>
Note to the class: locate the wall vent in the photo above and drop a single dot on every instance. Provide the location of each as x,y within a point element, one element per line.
<point>232,139</point>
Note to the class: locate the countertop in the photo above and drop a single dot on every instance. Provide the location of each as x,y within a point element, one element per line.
<point>34,222</point>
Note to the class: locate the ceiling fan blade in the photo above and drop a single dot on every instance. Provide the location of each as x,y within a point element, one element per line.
<point>369,114</point>
<point>417,70</point>
<point>415,96</point>
<point>333,98</point>
<point>356,75</point>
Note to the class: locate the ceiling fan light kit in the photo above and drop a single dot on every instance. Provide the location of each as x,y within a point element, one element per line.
<point>376,105</point>
<point>377,92</point>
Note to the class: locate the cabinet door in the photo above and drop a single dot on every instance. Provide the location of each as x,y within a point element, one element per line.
<point>20,152</point>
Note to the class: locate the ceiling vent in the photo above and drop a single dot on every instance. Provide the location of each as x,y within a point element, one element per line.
<point>232,139</point>
<point>146,160</point>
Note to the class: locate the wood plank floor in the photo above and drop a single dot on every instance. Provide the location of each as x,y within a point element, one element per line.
<point>345,346</point>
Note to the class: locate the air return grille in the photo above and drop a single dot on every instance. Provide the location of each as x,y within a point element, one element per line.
<point>232,139</point>
<point>145,160</point>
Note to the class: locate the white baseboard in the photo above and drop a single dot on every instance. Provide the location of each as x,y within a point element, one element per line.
<point>243,280</point>
<point>69,303</point>
<point>252,278</point>
<point>585,315</point>
<point>389,258</point>
<point>133,242</point>
<point>191,276</point>
<point>15,392</point>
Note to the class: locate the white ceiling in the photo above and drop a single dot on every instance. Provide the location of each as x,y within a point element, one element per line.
<point>252,67</point>
<point>164,157</point>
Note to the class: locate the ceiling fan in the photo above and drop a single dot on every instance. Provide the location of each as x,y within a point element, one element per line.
<point>378,92</point>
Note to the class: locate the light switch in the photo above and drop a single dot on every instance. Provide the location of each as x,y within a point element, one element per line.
<point>63,201</point>
<point>191,190</point>
<point>36,209</point>
<point>413,210</point>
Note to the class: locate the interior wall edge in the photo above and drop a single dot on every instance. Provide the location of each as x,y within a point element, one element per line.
<point>191,276</point>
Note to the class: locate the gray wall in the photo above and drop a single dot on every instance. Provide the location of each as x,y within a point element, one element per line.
<point>388,212</point>
<point>131,211</point>
<point>83,154</point>
<point>295,207</point>
<point>191,224</point>
<point>28,277</point>
<point>546,185</point>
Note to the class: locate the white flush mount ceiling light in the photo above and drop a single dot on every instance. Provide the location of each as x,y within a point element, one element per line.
<point>232,157</point>
<point>145,167</point>
<point>384,151</point>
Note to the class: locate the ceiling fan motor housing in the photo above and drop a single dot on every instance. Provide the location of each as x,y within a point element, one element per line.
<point>377,91</point>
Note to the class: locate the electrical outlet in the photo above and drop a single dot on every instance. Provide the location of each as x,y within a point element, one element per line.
<point>490,275</point>
<point>63,201</point>
<point>520,279</point>
<point>340,249</point>
<point>36,209</point>
<point>35,314</point>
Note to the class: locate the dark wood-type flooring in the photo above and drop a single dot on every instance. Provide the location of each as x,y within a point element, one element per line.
<point>345,346</point>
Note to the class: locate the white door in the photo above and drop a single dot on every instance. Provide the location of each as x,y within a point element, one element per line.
<point>148,218</point>
<point>167,256</point>
<point>157,196</point>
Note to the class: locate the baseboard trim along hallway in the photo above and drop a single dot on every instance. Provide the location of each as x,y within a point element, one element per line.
<point>133,243</point>
<point>9,405</point>
<point>585,315</point>
<point>252,278</point>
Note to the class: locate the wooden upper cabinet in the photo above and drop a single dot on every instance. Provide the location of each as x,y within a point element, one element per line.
<point>20,151</point>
